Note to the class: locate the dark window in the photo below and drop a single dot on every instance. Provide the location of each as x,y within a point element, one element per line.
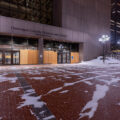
<point>5,40</point>
<point>33,42</point>
<point>61,46</point>
<point>32,10</point>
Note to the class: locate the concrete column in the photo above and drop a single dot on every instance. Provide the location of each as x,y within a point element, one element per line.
<point>80,52</point>
<point>40,49</point>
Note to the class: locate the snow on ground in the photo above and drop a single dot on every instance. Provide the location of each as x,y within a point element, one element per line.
<point>29,99</point>
<point>92,105</point>
<point>86,91</point>
<point>32,113</point>
<point>49,118</point>
<point>15,89</point>
<point>55,90</point>
<point>10,79</point>
<point>86,81</point>
<point>38,78</point>
<point>65,91</point>
<point>99,62</point>
<point>105,77</point>
<point>118,104</point>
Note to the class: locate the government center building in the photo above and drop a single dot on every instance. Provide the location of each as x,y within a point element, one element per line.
<point>52,31</point>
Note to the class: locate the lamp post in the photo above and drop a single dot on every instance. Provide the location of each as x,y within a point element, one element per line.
<point>103,40</point>
<point>118,43</point>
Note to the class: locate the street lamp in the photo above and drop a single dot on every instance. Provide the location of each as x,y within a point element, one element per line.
<point>118,42</point>
<point>103,40</point>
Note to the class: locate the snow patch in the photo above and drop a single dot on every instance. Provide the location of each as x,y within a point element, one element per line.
<point>86,91</point>
<point>38,78</point>
<point>31,100</point>
<point>88,82</point>
<point>34,114</point>
<point>54,90</point>
<point>118,104</point>
<point>71,84</point>
<point>10,79</point>
<point>65,91</point>
<point>99,62</point>
<point>15,89</point>
<point>100,93</point>
<point>49,117</point>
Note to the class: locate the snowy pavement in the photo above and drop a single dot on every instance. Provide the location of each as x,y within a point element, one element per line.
<point>85,91</point>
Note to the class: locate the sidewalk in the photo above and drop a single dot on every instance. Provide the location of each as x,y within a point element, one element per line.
<point>67,92</point>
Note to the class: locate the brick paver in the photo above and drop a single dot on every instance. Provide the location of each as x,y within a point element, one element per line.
<point>66,90</point>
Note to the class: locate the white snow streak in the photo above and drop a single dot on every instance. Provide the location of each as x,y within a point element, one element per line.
<point>49,118</point>
<point>15,89</point>
<point>10,79</point>
<point>65,91</point>
<point>100,93</point>
<point>31,100</point>
<point>34,114</point>
<point>38,78</point>
<point>54,90</point>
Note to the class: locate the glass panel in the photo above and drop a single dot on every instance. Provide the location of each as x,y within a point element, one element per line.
<point>59,58</point>
<point>7,57</point>
<point>64,57</point>
<point>33,10</point>
<point>1,57</point>
<point>68,57</point>
<point>16,58</point>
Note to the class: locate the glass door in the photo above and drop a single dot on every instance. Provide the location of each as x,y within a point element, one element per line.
<point>8,58</point>
<point>59,58</point>
<point>16,57</point>
<point>64,57</point>
<point>68,57</point>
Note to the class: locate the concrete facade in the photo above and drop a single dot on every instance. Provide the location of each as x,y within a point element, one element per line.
<point>91,18</point>
<point>81,22</point>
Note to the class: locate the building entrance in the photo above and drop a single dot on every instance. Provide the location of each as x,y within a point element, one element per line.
<point>9,57</point>
<point>63,57</point>
<point>56,52</point>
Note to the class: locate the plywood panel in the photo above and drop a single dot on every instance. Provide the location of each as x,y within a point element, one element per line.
<point>46,58</point>
<point>23,57</point>
<point>28,56</point>
<point>74,57</point>
<point>50,57</point>
<point>32,56</point>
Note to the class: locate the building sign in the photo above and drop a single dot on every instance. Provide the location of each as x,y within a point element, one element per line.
<point>38,33</point>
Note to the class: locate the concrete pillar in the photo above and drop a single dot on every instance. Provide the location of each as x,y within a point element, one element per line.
<point>81,52</point>
<point>40,49</point>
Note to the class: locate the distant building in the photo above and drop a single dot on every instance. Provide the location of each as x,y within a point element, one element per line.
<point>115,24</point>
<point>52,31</point>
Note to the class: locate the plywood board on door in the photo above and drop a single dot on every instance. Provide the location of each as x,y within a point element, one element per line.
<point>23,57</point>
<point>75,57</point>
<point>50,57</point>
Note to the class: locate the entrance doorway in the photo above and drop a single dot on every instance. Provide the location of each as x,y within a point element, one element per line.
<point>64,57</point>
<point>9,57</point>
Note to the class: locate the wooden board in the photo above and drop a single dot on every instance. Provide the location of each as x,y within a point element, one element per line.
<point>50,57</point>
<point>28,56</point>
<point>23,57</point>
<point>75,57</point>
